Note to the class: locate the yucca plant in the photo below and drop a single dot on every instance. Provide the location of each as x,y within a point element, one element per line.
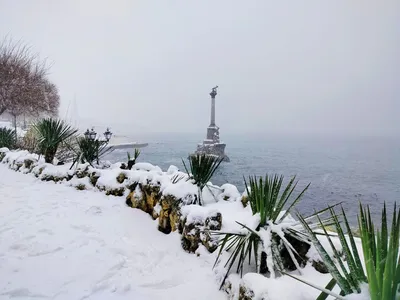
<point>201,168</point>
<point>275,233</point>
<point>7,138</point>
<point>90,151</point>
<point>381,256</point>
<point>131,161</point>
<point>51,133</point>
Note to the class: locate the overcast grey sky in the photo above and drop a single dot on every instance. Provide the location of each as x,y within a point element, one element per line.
<point>282,66</point>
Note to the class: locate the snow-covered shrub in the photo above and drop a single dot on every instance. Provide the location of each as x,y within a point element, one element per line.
<point>277,240</point>
<point>51,133</point>
<point>132,161</point>
<point>380,249</point>
<point>89,151</point>
<point>201,168</point>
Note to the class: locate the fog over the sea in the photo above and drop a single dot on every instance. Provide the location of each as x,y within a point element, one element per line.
<point>296,67</point>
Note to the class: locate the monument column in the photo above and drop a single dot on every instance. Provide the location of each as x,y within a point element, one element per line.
<point>213,94</point>
<point>212,145</point>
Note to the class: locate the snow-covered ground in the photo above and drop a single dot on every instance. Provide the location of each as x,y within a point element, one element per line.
<point>59,243</point>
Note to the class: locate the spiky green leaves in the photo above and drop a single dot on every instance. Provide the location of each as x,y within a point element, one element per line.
<point>201,168</point>
<point>89,151</point>
<point>266,198</point>
<point>131,162</point>
<point>348,272</point>
<point>381,256</point>
<point>7,138</point>
<point>51,133</point>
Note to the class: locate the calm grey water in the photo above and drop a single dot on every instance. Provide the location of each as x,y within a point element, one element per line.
<point>345,170</point>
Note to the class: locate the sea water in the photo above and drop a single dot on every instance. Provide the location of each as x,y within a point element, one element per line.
<point>346,170</point>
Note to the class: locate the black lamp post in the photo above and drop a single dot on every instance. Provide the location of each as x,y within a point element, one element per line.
<point>92,134</point>
<point>87,134</point>
<point>107,134</point>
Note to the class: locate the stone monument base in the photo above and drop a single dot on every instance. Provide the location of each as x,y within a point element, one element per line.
<point>210,148</point>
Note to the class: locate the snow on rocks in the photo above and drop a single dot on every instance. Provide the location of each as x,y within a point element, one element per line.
<point>4,150</point>
<point>165,196</point>
<point>146,167</point>
<point>56,173</point>
<point>172,170</point>
<point>196,225</point>
<point>229,192</point>
<point>184,190</point>
<point>63,244</point>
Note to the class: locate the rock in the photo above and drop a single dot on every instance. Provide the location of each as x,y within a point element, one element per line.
<point>245,200</point>
<point>288,264</point>
<point>119,192</point>
<point>18,165</point>
<point>135,197</point>
<point>252,287</point>
<point>82,171</point>
<point>214,221</point>
<point>93,177</point>
<point>320,266</point>
<point>129,199</point>
<point>227,288</point>
<point>80,187</point>
<point>302,250</point>
<point>191,237</point>
<point>228,192</point>
<point>197,231</point>
<point>46,177</point>
<point>3,152</point>
<point>169,217</point>
<point>152,196</point>
<point>38,171</point>
<point>209,241</point>
<point>121,178</point>
<point>245,293</point>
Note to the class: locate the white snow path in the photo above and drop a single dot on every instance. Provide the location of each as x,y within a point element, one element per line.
<point>59,243</point>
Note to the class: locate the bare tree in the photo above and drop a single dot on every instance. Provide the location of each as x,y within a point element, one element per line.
<point>24,87</point>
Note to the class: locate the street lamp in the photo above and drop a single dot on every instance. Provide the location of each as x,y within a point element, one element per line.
<point>87,134</point>
<point>92,134</point>
<point>108,134</point>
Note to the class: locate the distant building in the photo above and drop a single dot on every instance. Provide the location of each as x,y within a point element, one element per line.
<point>212,145</point>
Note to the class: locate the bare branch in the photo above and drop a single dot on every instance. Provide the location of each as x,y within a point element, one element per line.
<point>24,87</point>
